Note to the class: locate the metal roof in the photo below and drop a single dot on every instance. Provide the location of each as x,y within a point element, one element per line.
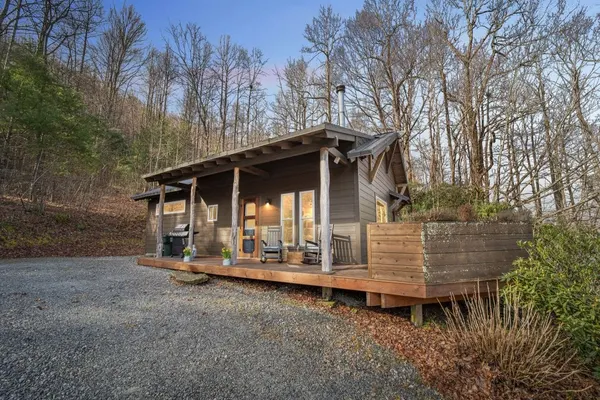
<point>304,140</point>
<point>154,192</point>
<point>374,146</point>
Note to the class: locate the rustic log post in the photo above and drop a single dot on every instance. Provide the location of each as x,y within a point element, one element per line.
<point>234,215</point>
<point>324,207</point>
<point>159,222</point>
<point>416,314</point>
<point>192,212</point>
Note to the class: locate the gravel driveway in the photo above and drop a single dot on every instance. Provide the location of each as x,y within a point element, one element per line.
<point>106,328</point>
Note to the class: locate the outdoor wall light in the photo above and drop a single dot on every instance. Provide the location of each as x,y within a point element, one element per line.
<point>268,202</point>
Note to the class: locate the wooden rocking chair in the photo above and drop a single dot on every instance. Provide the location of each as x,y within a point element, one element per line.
<point>313,250</point>
<point>273,247</point>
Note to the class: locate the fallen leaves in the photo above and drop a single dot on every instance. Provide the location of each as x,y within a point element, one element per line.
<point>455,375</point>
<point>113,226</point>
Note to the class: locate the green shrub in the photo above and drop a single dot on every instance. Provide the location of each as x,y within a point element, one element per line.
<point>561,276</point>
<point>489,211</point>
<point>435,215</point>
<point>443,195</point>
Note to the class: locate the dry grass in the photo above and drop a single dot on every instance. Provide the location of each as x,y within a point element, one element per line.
<point>527,349</point>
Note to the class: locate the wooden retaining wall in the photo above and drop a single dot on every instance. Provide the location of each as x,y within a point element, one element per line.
<point>444,252</point>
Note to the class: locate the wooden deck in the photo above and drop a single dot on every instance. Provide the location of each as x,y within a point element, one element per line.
<point>384,293</point>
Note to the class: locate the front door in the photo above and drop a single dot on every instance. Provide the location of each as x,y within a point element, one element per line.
<point>248,246</point>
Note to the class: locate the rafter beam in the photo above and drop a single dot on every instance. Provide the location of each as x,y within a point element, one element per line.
<point>285,145</point>
<point>296,151</point>
<point>268,150</point>
<point>338,156</point>
<point>222,161</point>
<point>255,171</point>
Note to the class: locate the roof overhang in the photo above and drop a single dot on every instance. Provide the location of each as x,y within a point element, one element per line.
<point>154,193</point>
<point>374,147</point>
<point>291,145</point>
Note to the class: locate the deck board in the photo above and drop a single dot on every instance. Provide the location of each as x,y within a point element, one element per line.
<point>348,277</point>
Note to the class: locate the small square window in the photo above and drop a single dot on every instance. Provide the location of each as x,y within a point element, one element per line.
<point>213,212</point>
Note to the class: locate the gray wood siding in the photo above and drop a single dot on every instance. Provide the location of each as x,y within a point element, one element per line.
<point>291,175</point>
<point>367,192</point>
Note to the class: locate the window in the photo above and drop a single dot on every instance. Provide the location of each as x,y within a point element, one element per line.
<point>249,218</point>
<point>382,210</point>
<point>307,216</point>
<point>213,212</point>
<point>173,207</point>
<point>287,218</point>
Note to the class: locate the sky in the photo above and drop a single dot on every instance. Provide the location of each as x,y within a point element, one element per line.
<point>275,27</point>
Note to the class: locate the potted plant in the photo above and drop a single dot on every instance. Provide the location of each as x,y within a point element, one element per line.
<point>226,254</point>
<point>187,254</point>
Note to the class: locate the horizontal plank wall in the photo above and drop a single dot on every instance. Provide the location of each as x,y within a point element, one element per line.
<point>395,252</point>
<point>293,175</point>
<point>367,194</point>
<point>442,253</point>
<point>471,251</point>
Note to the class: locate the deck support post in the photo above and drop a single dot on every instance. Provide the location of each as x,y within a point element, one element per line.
<point>192,212</point>
<point>326,261</point>
<point>235,194</point>
<point>327,293</point>
<point>416,314</point>
<point>159,222</point>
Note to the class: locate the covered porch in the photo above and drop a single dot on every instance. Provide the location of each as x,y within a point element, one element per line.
<point>255,188</point>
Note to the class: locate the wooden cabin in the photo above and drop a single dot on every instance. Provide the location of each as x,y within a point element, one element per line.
<point>279,183</point>
<point>308,183</point>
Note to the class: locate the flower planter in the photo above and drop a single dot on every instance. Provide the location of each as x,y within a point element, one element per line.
<point>435,253</point>
<point>187,258</point>
<point>227,261</point>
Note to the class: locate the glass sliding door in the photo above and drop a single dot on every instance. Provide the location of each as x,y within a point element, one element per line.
<point>307,216</point>
<point>287,218</point>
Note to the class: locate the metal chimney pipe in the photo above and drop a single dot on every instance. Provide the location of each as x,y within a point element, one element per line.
<point>341,90</point>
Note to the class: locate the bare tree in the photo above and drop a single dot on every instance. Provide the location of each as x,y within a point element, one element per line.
<point>226,68</point>
<point>119,55</point>
<point>324,34</point>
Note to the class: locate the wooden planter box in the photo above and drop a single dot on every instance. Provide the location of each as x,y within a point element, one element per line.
<point>444,252</point>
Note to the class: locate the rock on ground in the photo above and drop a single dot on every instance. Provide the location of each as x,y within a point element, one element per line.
<point>89,328</point>
<point>189,278</point>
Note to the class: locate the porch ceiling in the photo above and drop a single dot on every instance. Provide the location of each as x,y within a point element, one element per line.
<point>286,146</point>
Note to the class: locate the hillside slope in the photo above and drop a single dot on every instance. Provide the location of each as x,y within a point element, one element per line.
<point>112,226</point>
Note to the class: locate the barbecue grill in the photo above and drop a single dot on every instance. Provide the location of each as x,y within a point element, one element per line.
<point>178,238</point>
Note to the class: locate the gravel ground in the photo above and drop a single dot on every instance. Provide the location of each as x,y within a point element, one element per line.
<point>107,328</point>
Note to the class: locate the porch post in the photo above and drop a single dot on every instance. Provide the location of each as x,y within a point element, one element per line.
<point>192,212</point>
<point>234,215</point>
<point>159,222</point>
<point>324,207</point>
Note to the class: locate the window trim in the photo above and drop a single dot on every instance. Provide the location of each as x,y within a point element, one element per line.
<point>301,222</point>
<point>293,194</point>
<point>216,213</point>
<point>171,212</point>
<point>387,209</point>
